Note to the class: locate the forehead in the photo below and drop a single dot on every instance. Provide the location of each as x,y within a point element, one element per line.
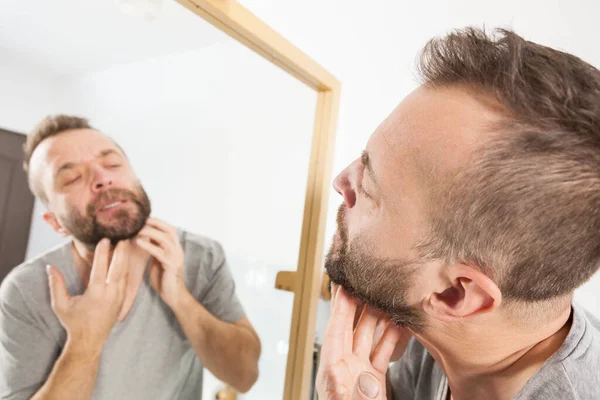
<point>76,145</point>
<point>431,131</point>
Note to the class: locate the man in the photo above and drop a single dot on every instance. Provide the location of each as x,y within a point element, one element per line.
<point>468,222</point>
<point>131,308</point>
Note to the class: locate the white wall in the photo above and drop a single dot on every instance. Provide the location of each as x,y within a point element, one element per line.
<point>372,47</point>
<point>27,94</point>
<point>221,141</point>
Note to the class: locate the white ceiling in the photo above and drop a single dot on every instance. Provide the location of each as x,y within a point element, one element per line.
<point>65,37</point>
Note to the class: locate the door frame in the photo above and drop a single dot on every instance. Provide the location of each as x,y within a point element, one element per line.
<point>239,23</point>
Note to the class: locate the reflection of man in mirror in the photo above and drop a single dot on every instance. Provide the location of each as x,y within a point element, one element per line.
<point>467,224</point>
<point>131,308</point>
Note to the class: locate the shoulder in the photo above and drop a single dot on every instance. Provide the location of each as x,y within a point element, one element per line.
<point>593,321</point>
<point>551,382</point>
<point>201,249</point>
<point>29,280</point>
<point>581,366</point>
<point>572,373</point>
<point>204,260</point>
<point>25,297</point>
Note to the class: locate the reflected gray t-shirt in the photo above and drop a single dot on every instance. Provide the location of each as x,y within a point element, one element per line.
<point>572,373</point>
<point>146,356</point>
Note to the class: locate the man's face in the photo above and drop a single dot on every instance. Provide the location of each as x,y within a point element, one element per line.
<point>385,211</point>
<point>91,188</point>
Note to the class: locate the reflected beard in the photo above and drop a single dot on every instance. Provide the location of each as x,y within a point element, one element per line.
<point>125,224</point>
<point>380,283</point>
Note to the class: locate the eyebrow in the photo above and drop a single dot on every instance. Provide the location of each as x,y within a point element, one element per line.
<point>107,152</point>
<point>63,168</point>
<point>69,165</point>
<point>366,161</point>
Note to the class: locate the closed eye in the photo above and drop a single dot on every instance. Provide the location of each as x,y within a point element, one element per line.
<point>362,191</point>
<point>73,180</point>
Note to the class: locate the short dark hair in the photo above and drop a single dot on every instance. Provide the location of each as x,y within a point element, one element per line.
<point>51,125</point>
<point>527,208</point>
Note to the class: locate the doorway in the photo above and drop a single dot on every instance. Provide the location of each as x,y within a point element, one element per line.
<point>16,202</point>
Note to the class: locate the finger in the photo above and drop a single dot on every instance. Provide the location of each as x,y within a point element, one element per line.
<point>101,260</point>
<point>349,332</point>
<point>382,324</point>
<point>120,262</point>
<point>334,289</point>
<point>121,292</point>
<point>155,250</point>
<point>364,333</point>
<point>121,295</point>
<point>338,335</point>
<point>161,238</point>
<point>360,306</point>
<point>155,271</point>
<point>59,296</point>
<point>367,387</point>
<point>380,358</point>
<point>163,226</point>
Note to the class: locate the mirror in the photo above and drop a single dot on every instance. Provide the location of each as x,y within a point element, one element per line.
<point>219,136</point>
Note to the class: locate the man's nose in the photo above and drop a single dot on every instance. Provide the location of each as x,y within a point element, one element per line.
<point>102,180</point>
<point>343,186</point>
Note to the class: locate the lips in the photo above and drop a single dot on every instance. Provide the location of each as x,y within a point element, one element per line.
<point>110,205</point>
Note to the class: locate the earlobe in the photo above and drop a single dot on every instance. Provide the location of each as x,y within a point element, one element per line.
<point>51,220</point>
<point>469,293</point>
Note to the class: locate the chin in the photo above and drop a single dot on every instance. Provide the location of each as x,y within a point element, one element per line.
<point>121,229</point>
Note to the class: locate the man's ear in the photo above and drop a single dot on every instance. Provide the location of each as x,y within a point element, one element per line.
<point>469,293</point>
<point>51,220</point>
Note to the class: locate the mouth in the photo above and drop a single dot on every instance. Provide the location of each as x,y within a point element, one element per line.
<point>113,205</point>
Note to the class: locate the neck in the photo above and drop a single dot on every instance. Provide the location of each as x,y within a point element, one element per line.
<point>83,255</point>
<point>494,364</point>
<point>84,259</point>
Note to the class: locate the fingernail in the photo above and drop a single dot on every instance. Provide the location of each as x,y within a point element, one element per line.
<point>368,385</point>
<point>48,269</point>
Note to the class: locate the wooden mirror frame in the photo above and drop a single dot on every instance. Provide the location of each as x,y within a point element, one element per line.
<point>236,21</point>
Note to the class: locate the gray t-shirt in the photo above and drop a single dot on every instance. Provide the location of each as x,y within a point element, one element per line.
<point>146,356</point>
<point>573,372</point>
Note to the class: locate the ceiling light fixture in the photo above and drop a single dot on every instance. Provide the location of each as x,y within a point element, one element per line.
<point>147,9</point>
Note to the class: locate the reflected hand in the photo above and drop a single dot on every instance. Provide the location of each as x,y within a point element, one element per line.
<point>353,364</point>
<point>89,318</point>
<point>167,275</point>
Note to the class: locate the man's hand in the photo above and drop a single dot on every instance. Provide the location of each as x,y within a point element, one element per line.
<point>167,271</point>
<point>89,318</point>
<point>352,366</point>
<point>229,350</point>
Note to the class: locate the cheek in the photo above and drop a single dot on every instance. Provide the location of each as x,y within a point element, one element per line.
<point>396,235</point>
<point>362,220</point>
<point>128,181</point>
<point>128,175</point>
<point>73,204</point>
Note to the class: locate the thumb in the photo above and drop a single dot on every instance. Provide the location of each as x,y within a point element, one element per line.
<point>367,387</point>
<point>58,289</point>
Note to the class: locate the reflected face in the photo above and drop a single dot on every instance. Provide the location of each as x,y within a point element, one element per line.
<point>385,211</point>
<point>91,188</point>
